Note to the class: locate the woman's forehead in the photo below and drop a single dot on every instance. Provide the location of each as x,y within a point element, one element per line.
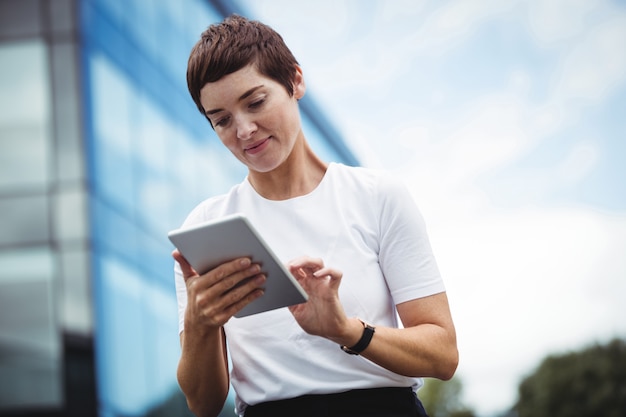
<point>233,87</point>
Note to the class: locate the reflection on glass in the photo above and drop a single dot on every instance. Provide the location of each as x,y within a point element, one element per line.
<point>24,220</point>
<point>69,147</point>
<point>112,109</point>
<point>29,345</point>
<point>30,349</point>
<point>24,115</point>
<point>75,308</point>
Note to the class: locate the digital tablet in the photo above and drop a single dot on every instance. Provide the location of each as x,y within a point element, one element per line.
<point>210,244</point>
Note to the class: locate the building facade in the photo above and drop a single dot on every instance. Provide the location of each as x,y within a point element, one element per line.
<point>101,153</point>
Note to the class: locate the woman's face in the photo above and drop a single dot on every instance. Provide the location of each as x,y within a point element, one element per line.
<point>254,116</point>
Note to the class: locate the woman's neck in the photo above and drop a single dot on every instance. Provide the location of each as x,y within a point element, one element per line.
<point>299,175</point>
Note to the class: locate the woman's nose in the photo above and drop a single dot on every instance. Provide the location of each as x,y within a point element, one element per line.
<point>246,127</point>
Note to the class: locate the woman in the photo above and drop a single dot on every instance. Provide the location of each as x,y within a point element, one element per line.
<point>352,237</point>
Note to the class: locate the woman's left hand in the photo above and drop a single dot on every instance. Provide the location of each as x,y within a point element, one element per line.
<point>424,347</point>
<point>322,315</point>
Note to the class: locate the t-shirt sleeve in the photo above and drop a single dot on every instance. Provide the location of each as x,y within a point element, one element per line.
<point>406,257</point>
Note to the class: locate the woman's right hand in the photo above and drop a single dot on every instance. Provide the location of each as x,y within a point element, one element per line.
<point>213,298</point>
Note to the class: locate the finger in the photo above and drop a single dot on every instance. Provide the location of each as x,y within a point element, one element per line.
<point>186,269</point>
<point>219,306</point>
<point>237,295</point>
<point>229,274</point>
<point>235,300</point>
<point>306,263</point>
<point>333,273</point>
<point>305,266</point>
<point>225,271</point>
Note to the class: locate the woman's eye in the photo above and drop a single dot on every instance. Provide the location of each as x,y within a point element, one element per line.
<point>222,122</point>
<point>257,103</point>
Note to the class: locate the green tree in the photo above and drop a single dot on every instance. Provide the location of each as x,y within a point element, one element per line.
<point>443,398</point>
<point>590,382</point>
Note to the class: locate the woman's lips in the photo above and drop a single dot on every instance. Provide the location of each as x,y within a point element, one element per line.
<point>257,146</point>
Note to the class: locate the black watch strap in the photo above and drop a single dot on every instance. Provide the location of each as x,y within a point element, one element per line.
<point>366,338</point>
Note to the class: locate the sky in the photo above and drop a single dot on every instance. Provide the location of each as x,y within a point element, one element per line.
<point>507,121</point>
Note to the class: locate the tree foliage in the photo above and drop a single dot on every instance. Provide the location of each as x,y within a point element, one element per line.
<point>443,398</point>
<point>590,382</point>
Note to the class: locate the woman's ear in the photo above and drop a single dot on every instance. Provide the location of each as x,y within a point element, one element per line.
<point>299,87</point>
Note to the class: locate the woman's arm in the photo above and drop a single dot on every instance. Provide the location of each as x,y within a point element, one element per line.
<point>212,299</point>
<point>203,371</point>
<point>425,347</point>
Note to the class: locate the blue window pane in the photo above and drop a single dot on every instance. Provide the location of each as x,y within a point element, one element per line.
<point>120,348</point>
<point>137,345</point>
<point>112,230</point>
<point>111,149</point>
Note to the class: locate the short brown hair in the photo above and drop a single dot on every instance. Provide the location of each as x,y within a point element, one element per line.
<point>234,43</point>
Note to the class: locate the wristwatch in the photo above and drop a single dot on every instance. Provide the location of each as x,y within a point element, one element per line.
<point>366,338</point>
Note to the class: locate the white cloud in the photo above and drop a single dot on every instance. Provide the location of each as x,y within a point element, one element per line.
<point>580,161</point>
<point>558,20</point>
<point>392,12</point>
<point>523,282</point>
<point>451,22</point>
<point>289,17</point>
<point>527,282</point>
<point>595,65</point>
<point>446,161</point>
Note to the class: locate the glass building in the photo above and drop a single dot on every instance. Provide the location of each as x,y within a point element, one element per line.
<point>102,151</point>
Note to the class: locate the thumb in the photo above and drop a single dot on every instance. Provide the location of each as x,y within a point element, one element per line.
<point>186,269</point>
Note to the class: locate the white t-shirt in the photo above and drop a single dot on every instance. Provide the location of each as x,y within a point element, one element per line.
<point>359,221</point>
